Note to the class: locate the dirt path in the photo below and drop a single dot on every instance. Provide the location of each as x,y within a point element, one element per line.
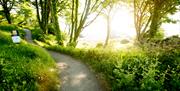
<point>75,76</point>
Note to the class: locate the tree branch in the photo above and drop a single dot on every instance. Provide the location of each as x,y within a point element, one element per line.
<point>11,5</point>
<point>93,19</point>
<point>147,24</point>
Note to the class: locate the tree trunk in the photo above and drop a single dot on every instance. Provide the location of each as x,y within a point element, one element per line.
<point>108,31</point>
<point>43,14</point>
<point>108,19</point>
<point>55,21</point>
<point>153,27</point>
<point>154,24</point>
<point>7,13</point>
<point>77,24</point>
<point>47,14</point>
<point>72,23</point>
<point>8,16</point>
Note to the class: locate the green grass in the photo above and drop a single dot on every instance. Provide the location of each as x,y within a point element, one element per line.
<point>25,67</point>
<point>149,68</point>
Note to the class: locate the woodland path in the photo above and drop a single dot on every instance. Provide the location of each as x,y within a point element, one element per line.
<point>75,76</point>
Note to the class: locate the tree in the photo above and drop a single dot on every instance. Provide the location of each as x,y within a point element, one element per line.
<point>47,14</point>
<point>148,16</point>
<point>161,8</point>
<point>108,5</point>
<point>43,13</point>
<point>79,19</point>
<point>25,15</point>
<point>55,21</point>
<point>7,7</point>
<point>142,17</point>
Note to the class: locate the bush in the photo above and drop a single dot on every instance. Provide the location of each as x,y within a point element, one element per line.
<point>99,45</point>
<point>25,67</point>
<point>9,28</point>
<point>37,34</point>
<point>155,67</point>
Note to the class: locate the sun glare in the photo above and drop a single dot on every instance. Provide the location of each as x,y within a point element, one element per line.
<point>122,27</point>
<point>121,24</point>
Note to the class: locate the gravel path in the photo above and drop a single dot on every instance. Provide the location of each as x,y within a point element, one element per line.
<point>75,76</point>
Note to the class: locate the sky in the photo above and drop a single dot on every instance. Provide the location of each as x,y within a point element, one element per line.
<point>172,29</point>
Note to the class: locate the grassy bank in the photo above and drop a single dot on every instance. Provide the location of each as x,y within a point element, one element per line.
<point>25,67</point>
<point>154,67</point>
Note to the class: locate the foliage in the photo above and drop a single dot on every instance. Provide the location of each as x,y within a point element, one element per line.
<point>25,15</point>
<point>50,40</point>
<point>7,7</point>
<point>99,45</point>
<point>157,37</point>
<point>9,28</point>
<point>46,39</point>
<point>149,15</point>
<point>25,67</point>
<point>37,34</point>
<point>152,67</point>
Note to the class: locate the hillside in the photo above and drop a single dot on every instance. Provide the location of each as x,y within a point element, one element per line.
<point>25,67</point>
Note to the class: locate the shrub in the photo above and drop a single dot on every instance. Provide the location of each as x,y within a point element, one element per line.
<point>99,45</point>
<point>37,34</point>
<point>9,28</point>
<point>124,41</point>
